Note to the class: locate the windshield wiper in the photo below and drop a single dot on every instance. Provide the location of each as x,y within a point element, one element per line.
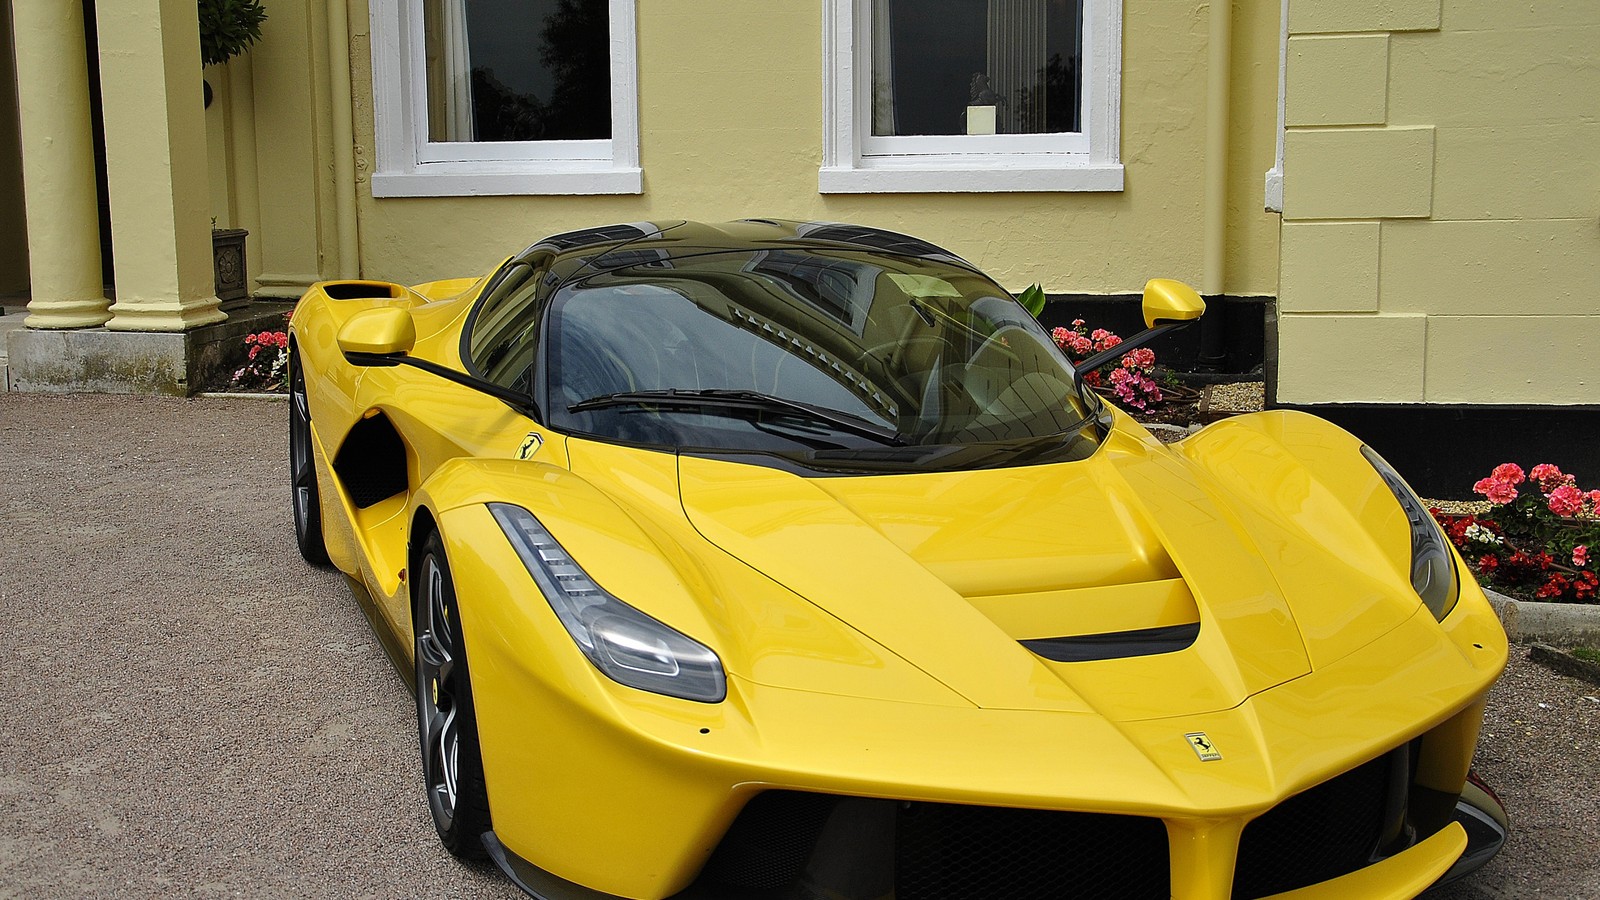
<point>743,401</point>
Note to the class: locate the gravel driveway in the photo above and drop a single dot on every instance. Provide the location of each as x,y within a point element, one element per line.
<point>190,711</point>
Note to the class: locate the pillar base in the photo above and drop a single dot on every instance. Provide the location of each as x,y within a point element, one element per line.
<point>100,360</point>
<point>53,314</point>
<point>165,316</point>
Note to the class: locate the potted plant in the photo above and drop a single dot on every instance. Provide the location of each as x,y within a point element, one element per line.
<point>227,29</point>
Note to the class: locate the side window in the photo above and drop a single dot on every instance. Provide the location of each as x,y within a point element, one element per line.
<point>505,97</point>
<point>503,332</point>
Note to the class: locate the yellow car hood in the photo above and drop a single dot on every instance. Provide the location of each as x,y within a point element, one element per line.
<point>952,570</point>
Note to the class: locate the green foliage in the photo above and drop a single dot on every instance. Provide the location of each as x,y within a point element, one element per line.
<point>228,28</point>
<point>1587,654</point>
<point>1032,300</point>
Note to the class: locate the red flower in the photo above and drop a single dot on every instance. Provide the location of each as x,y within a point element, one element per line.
<point>1549,477</point>
<point>1585,586</point>
<point>1554,587</point>
<point>1510,473</point>
<point>1566,501</point>
<point>1499,492</point>
<point>1488,564</point>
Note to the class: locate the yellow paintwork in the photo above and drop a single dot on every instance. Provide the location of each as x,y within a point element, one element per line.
<point>869,625</point>
<point>383,330</point>
<point>1169,300</point>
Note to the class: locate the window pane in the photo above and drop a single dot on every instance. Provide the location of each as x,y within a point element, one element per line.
<point>518,70</point>
<point>932,59</point>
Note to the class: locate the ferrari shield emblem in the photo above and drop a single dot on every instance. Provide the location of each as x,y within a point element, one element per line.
<point>530,445</point>
<point>1202,746</point>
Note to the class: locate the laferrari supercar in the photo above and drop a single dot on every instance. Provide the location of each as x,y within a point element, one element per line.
<point>794,560</point>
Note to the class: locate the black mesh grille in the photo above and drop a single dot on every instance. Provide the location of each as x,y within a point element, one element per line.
<point>1325,832</point>
<point>770,841</point>
<point>846,848</point>
<point>945,852</point>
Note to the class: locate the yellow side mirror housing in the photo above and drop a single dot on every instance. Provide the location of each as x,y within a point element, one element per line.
<point>1169,300</point>
<point>382,332</point>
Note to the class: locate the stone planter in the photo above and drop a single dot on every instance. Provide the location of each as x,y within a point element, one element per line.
<point>1556,623</point>
<point>227,258</point>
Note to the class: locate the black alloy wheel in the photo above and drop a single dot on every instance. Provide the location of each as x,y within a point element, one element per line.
<point>303,469</point>
<point>447,728</point>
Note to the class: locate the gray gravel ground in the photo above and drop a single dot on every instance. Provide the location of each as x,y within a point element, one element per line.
<point>190,711</point>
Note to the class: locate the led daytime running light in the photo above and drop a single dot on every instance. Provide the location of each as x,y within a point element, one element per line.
<point>628,646</point>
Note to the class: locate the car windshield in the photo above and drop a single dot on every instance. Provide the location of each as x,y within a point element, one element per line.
<point>832,357</point>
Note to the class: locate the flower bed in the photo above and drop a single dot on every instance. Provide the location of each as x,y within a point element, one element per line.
<point>1534,542</point>
<point>1148,393</point>
<point>266,363</point>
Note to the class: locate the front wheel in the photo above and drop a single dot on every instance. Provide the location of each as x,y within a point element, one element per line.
<point>452,768</point>
<point>303,469</point>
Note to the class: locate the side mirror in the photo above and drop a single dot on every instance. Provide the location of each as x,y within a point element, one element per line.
<point>1168,306</point>
<point>1168,300</point>
<point>385,331</point>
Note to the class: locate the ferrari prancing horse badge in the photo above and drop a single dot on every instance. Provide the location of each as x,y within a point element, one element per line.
<point>530,445</point>
<point>1203,747</point>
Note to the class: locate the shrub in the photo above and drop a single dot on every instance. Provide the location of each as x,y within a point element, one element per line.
<point>228,28</point>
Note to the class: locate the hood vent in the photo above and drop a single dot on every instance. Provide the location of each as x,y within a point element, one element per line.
<point>1115,645</point>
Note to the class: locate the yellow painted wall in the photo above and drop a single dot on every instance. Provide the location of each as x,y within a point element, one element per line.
<point>13,220</point>
<point>731,126</point>
<point>1441,228</point>
<point>224,183</point>
<point>286,205</point>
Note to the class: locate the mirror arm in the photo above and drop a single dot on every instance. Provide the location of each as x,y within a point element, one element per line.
<point>1128,346</point>
<point>518,402</point>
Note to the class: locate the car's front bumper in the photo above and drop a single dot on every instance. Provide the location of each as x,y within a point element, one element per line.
<point>1471,841</point>
<point>584,774</point>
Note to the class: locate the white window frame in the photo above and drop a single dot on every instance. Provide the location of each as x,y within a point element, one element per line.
<point>410,165</point>
<point>855,161</point>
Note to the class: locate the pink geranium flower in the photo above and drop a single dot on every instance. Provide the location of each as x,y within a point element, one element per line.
<point>1566,501</point>
<point>1142,358</point>
<point>1103,339</point>
<point>1580,555</point>
<point>1549,477</point>
<point>1508,473</point>
<point>1498,492</point>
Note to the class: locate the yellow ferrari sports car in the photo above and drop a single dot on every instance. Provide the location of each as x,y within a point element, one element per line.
<point>793,560</point>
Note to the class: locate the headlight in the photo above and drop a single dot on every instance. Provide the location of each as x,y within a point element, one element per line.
<point>1433,566</point>
<point>628,646</point>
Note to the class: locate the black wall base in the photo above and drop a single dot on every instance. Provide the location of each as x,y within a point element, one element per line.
<point>1243,327</point>
<point>1443,450</point>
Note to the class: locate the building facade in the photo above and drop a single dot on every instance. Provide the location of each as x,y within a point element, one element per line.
<point>1407,188</point>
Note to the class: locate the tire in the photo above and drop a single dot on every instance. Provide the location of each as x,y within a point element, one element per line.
<point>303,469</point>
<point>447,727</point>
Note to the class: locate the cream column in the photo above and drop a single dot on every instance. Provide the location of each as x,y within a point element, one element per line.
<point>156,165</point>
<point>58,166</point>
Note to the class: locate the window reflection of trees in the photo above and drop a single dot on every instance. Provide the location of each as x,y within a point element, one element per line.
<point>573,69</point>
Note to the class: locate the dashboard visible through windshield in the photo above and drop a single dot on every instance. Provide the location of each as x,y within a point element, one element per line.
<point>834,359</point>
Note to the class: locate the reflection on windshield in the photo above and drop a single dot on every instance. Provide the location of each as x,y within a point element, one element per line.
<point>935,353</point>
